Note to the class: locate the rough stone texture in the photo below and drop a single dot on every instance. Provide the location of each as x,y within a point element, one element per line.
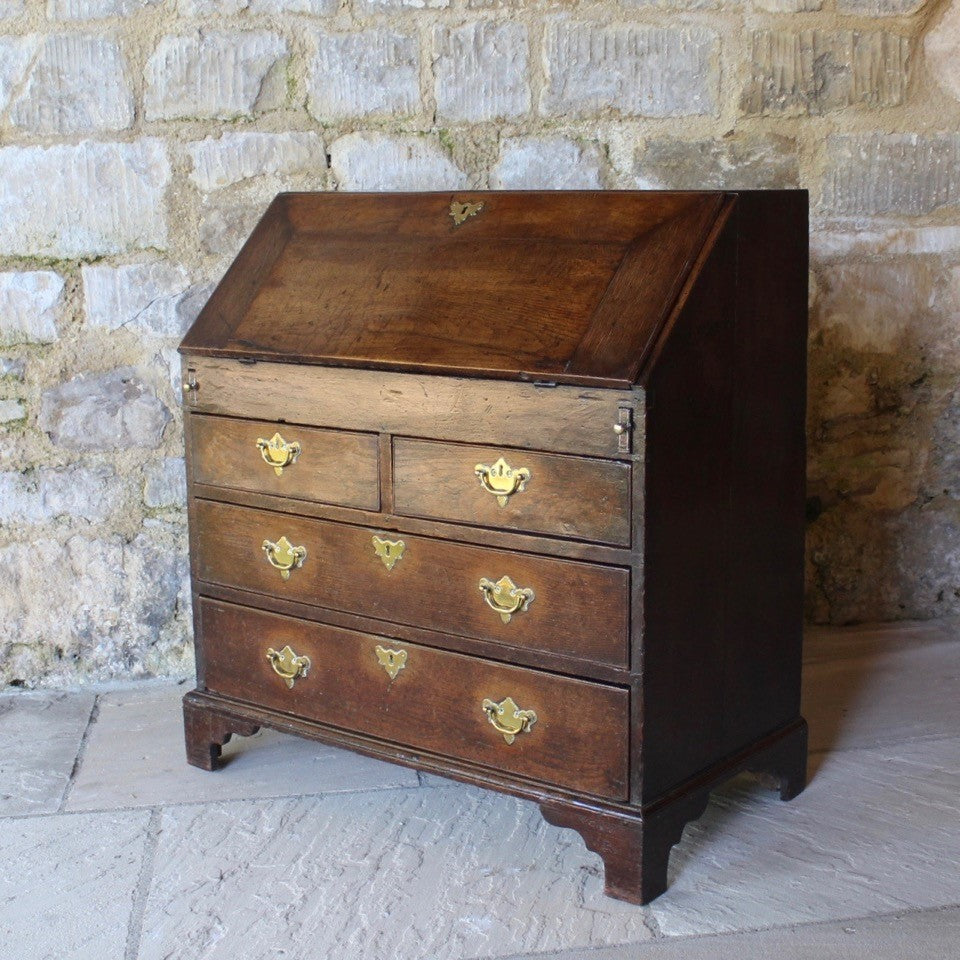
<point>134,757</point>
<point>73,493</point>
<point>903,173</point>
<point>942,49</point>
<point>111,610</point>
<point>40,736</point>
<point>212,75</point>
<point>28,306</point>
<point>480,72</point>
<point>744,163</point>
<point>165,483</point>
<point>142,140</point>
<point>76,84</point>
<point>631,71</point>
<point>371,73</point>
<point>67,872</point>
<point>815,71</point>
<point>374,161</point>
<point>546,163</point>
<point>219,162</point>
<point>146,297</point>
<point>111,411</point>
<point>91,198</point>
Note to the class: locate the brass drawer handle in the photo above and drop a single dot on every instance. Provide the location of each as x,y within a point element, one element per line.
<point>502,480</point>
<point>393,661</point>
<point>506,597</point>
<point>284,556</point>
<point>508,719</point>
<point>288,665</point>
<point>278,453</point>
<point>389,551</point>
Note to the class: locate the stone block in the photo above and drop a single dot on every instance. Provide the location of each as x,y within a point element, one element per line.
<point>371,72</point>
<point>95,9</point>
<point>12,411</point>
<point>235,157</point>
<point>76,84</point>
<point>598,69</point>
<point>743,163</point>
<point>902,173</point>
<point>28,303</point>
<point>71,493</point>
<point>880,8</point>
<point>480,72</point>
<point>97,198</point>
<point>15,56</point>
<point>814,71</point>
<point>165,483</point>
<point>146,297</point>
<point>13,367</point>
<point>546,163</point>
<point>788,6</point>
<point>9,9</point>
<point>942,49</point>
<point>221,8</point>
<point>104,411</point>
<point>224,228</point>
<point>211,74</point>
<point>378,161</point>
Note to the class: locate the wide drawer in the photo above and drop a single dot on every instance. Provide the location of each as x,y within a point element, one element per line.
<point>578,497</point>
<point>305,463</point>
<point>559,730</point>
<point>523,600</point>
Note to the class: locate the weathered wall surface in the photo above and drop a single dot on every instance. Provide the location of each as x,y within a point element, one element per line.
<point>140,140</point>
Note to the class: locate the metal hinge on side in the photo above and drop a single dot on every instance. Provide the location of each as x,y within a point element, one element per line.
<point>623,428</point>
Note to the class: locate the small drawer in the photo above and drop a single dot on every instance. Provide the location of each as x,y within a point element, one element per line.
<point>577,497</point>
<point>559,730</point>
<point>304,463</point>
<point>501,596</point>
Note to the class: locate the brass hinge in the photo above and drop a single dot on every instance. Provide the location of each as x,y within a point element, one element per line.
<point>623,428</point>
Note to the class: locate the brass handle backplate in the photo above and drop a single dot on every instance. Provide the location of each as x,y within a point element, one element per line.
<point>506,597</point>
<point>288,665</point>
<point>389,551</point>
<point>393,661</point>
<point>508,719</point>
<point>284,556</point>
<point>278,453</point>
<point>502,480</point>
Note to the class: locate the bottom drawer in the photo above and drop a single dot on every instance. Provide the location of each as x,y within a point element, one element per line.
<point>559,730</point>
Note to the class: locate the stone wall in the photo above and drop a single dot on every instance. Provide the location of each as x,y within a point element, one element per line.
<point>140,140</point>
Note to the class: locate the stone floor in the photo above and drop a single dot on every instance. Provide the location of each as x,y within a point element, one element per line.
<point>112,848</point>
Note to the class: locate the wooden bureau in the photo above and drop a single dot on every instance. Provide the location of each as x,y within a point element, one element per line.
<point>509,487</point>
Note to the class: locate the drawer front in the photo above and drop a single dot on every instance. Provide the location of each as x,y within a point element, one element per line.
<point>577,609</point>
<point>578,497</point>
<point>576,736</point>
<point>329,466</point>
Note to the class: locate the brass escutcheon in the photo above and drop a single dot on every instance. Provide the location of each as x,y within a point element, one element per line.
<point>502,480</point>
<point>278,453</point>
<point>288,665</point>
<point>463,211</point>
<point>506,597</point>
<point>284,556</point>
<point>508,719</point>
<point>393,661</point>
<point>389,551</point>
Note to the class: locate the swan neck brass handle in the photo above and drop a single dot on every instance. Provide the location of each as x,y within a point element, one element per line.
<point>508,719</point>
<point>277,453</point>
<point>284,556</point>
<point>502,480</point>
<point>288,665</point>
<point>393,661</point>
<point>506,597</point>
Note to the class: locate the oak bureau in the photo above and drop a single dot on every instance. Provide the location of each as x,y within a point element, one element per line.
<point>509,487</point>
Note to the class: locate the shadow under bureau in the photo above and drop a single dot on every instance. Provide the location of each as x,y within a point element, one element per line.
<point>509,487</point>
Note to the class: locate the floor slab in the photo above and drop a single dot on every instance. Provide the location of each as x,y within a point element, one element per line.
<point>406,875</point>
<point>67,884</point>
<point>871,686</point>
<point>40,735</point>
<point>923,935</point>
<point>135,757</point>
